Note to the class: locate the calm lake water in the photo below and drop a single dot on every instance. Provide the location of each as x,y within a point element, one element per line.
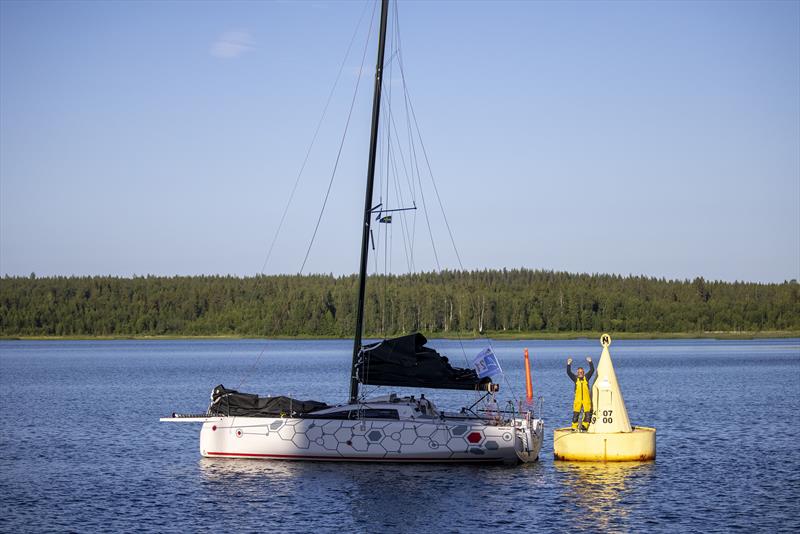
<point>82,448</point>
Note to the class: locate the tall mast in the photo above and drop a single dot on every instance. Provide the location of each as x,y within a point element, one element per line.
<point>373,147</point>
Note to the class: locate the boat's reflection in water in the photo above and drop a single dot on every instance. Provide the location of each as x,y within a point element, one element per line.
<point>222,469</point>
<point>361,495</point>
<point>255,481</point>
<point>600,491</point>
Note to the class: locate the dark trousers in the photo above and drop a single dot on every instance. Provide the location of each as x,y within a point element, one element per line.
<point>587,418</point>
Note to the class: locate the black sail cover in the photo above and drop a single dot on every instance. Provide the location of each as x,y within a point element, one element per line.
<point>406,361</point>
<point>232,403</point>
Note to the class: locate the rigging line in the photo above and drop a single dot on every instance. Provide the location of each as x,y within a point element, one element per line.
<point>398,190</point>
<point>314,137</point>
<point>341,144</point>
<point>414,159</point>
<point>409,182</point>
<point>376,244</point>
<point>419,135</point>
<point>428,223</point>
<point>412,150</point>
<point>386,104</point>
<point>386,256</point>
<point>379,158</point>
<point>405,89</point>
<point>402,155</point>
<point>390,177</point>
<point>412,155</point>
<point>403,220</point>
<point>404,225</point>
<point>305,160</point>
<point>402,211</point>
<point>433,181</point>
<point>409,105</point>
<point>419,178</point>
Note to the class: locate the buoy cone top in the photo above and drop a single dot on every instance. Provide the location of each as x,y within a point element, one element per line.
<point>610,414</point>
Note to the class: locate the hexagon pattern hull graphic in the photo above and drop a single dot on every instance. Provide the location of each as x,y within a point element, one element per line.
<point>371,440</point>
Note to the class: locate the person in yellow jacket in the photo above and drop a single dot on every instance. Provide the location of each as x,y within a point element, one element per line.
<point>583,394</point>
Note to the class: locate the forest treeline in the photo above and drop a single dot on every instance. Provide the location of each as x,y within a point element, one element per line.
<point>523,301</point>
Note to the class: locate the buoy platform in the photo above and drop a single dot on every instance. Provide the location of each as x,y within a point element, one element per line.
<point>637,445</point>
<point>610,437</point>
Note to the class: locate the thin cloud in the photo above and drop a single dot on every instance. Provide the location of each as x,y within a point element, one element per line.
<point>232,44</point>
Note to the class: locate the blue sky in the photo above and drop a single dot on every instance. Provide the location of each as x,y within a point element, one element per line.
<point>657,138</point>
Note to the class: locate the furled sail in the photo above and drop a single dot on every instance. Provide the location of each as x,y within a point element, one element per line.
<point>232,403</point>
<point>406,361</point>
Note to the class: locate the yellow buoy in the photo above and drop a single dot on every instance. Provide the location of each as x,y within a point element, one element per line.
<point>610,437</point>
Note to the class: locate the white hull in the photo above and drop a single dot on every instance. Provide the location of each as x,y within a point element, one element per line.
<point>468,440</point>
<point>387,429</point>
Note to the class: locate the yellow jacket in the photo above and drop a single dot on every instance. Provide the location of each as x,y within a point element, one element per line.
<point>583,394</point>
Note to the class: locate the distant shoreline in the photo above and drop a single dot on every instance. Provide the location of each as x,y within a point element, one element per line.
<point>550,336</point>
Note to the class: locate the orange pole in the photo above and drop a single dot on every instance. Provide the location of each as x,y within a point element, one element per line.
<point>528,384</point>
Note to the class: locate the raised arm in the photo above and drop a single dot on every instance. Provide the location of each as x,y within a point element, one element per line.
<point>570,374</point>
<point>591,369</point>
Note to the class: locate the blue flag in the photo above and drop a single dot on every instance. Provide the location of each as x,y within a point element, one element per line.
<point>486,364</point>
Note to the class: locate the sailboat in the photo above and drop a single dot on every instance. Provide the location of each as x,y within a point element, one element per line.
<point>380,429</point>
